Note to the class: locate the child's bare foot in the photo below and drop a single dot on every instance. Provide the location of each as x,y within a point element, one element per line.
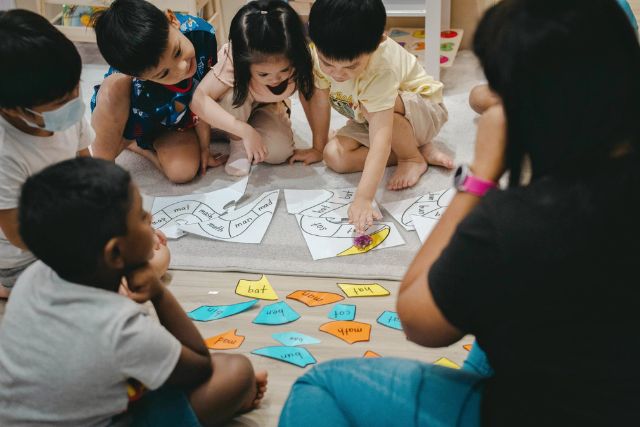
<point>434,156</point>
<point>407,174</point>
<point>261,389</point>
<point>4,292</point>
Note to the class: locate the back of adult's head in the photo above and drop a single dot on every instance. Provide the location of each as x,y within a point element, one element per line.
<point>69,211</point>
<point>568,75</point>
<point>38,64</point>
<point>345,29</point>
<point>132,35</point>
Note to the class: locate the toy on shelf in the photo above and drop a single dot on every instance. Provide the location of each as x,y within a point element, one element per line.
<point>78,16</point>
<point>412,39</point>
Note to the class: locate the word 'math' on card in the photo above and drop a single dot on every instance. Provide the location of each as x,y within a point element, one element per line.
<point>225,341</point>
<point>390,319</point>
<point>260,289</point>
<point>343,312</point>
<point>315,298</point>
<point>348,331</point>
<point>443,361</point>
<point>353,290</point>
<point>298,356</point>
<point>206,313</point>
<point>370,355</point>
<point>276,314</point>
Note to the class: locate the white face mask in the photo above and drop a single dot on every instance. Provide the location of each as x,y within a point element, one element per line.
<point>60,119</point>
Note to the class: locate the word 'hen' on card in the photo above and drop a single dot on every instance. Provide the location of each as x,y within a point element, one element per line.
<point>343,312</point>
<point>353,290</point>
<point>370,355</point>
<point>292,339</point>
<point>315,298</point>
<point>390,319</point>
<point>443,361</point>
<point>298,356</point>
<point>206,313</point>
<point>276,314</point>
<point>260,289</point>
<point>348,331</point>
<point>225,341</point>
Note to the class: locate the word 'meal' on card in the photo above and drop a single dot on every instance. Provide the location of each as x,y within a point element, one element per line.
<point>260,289</point>
<point>443,361</point>
<point>370,355</point>
<point>348,331</point>
<point>343,312</point>
<point>206,313</point>
<point>298,356</point>
<point>292,339</point>
<point>363,290</point>
<point>390,319</point>
<point>225,341</point>
<point>276,314</point>
<point>315,298</point>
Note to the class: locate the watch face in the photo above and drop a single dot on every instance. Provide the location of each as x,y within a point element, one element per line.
<point>460,176</point>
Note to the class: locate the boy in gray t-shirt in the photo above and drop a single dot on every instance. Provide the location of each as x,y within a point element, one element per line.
<point>71,345</point>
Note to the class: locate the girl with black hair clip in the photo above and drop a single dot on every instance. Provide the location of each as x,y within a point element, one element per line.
<point>266,60</point>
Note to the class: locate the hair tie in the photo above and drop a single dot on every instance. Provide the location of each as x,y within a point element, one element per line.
<point>263,12</point>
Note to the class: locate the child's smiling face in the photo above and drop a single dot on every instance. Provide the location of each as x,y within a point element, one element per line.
<point>178,62</point>
<point>341,71</point>
<point>272,72</point>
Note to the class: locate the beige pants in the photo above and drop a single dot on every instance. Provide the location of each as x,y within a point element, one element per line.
<point>270,120</point>
<point>426,118</point>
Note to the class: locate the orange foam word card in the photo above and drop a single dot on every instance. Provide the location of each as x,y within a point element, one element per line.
<point>370,354</point>
<point>315,298</point>
<point>348,330</point>
<point>225,341</point>
<point>260,289</point>
<point>467,347</point>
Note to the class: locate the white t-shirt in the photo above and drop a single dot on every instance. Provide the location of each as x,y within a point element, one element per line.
<point>67,350</point>
<point>22,155</point>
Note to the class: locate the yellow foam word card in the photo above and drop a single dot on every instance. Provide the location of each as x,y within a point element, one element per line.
<point>443,361</point>
<point>353,290</point>
<point>260,289</point>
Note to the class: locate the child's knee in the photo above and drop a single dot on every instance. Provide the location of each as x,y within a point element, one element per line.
<point>481,98</point>
<point>181,171</point>
<point>333,156</point>
<point>114,92</point>
<point>238,368</point>
<point>279,151</point>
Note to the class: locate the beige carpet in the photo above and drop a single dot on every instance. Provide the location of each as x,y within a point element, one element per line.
<point>283,250</point>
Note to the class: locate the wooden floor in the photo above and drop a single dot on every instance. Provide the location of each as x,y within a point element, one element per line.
<point>192,290</point>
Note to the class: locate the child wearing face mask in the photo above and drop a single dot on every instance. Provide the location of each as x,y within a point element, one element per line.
<point>41,120</point>
<point>157,60</point>
<point>246,94</point>
<point>41,123</point>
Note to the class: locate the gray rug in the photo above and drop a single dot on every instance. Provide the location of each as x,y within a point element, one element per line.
<point>283,250</point>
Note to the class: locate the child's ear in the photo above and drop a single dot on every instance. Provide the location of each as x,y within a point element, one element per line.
<point>173,21</point>
<point>112,254</point>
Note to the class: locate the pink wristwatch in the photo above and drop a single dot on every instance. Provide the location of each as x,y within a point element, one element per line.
<point>464,181</point>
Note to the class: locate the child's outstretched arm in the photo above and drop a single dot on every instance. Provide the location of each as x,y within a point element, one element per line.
<point>194,365</point>
<point>318,112</point>
<point>361,213</point>
<point>204,105</point>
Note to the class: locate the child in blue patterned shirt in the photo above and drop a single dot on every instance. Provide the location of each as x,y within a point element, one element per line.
<point>157,60</point>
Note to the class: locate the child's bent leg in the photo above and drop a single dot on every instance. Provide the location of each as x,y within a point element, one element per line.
<point>232,389</point>
<point>345,155</point>
<point>273,124</point>
<point>481,98</point>
<point>411,163</point>
<point>178,155</point>
<point>110,116</point>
